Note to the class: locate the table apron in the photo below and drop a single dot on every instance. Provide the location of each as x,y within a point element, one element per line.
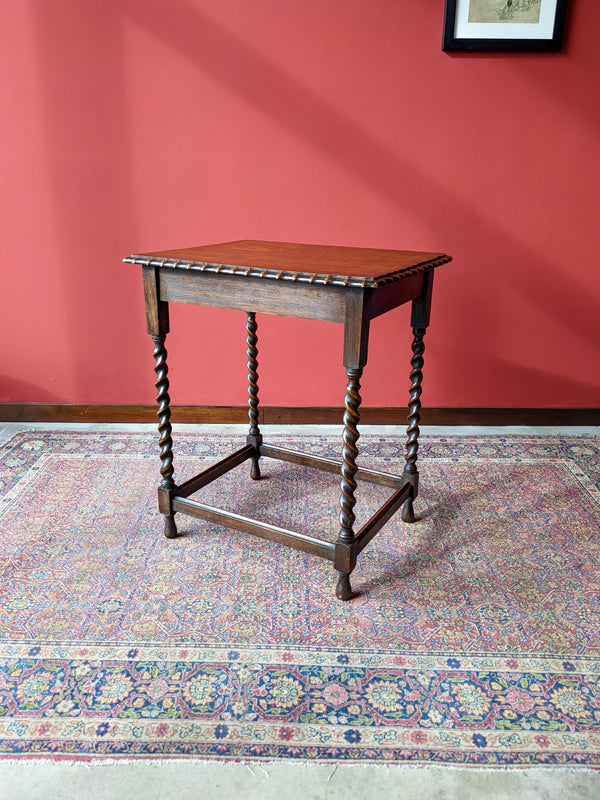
<point>308,301</point>
<point>391,295</point>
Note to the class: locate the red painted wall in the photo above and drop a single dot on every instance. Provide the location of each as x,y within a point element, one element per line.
<point>132,125</point>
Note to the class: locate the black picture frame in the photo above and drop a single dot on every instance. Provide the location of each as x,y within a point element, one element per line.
<point>512,37</point>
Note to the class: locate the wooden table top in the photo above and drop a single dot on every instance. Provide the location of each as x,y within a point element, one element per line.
<point>304,263</point>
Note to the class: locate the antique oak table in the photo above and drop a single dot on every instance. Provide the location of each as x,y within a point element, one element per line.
<point>341,284</point>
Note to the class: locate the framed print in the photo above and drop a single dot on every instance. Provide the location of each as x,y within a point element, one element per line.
<point>504,24</point>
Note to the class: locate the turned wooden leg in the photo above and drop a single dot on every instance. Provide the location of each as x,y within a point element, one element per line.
<point>411,473</point>
<point>164,429</point>
<point>348,485</point>
<point>254,436</point>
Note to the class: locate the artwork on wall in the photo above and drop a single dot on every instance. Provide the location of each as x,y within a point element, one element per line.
<point>504,24</point>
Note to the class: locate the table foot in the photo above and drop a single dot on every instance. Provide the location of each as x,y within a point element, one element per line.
<point>408,513</point>
<point>255,470</point>
<point>170,528</point>
<point>343,590</point>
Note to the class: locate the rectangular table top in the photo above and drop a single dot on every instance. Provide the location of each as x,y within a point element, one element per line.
<point>304,263</point>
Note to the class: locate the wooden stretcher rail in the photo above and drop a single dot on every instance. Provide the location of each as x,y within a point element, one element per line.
<point>299,541</point>
<point>380,517</point>
<point>212,473</point>
<point>328,465</point>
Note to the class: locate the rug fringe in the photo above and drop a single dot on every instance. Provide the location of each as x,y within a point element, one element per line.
<point>199,763</point>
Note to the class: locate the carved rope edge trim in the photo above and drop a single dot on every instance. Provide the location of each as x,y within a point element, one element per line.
<point>295,277</point>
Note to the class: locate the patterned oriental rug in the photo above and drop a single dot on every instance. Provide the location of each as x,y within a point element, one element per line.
<point>475,638</point>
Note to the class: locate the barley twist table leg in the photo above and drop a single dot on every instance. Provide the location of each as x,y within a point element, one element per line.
<point>164,426</point>
<point>349,468</point>
<point>414,415</point>
<point>254,436</point>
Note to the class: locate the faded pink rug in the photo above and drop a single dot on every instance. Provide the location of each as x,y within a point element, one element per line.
<point>475,638</point>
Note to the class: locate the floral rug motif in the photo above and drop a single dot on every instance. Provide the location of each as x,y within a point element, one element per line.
<point>474,638</point>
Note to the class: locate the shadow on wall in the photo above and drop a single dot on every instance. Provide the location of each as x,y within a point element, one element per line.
<point>13,390</point>
<point>260,82</point>
<point>263,84</point>
<point>562,391</point>
<point>80,52</point>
